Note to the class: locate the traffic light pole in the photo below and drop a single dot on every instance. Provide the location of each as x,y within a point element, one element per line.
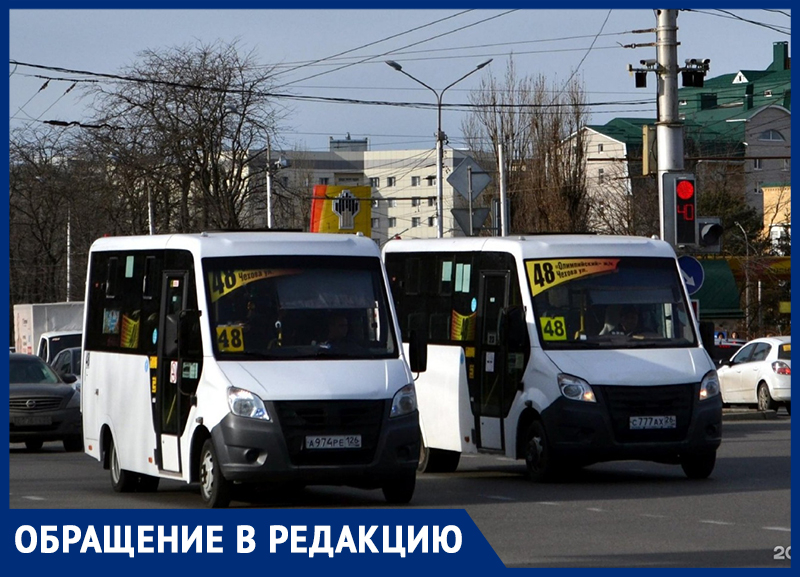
<point>669,128</point>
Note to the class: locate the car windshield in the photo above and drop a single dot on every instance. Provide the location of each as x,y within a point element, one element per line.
<point>785,352</point>
<point>31,371</point>
<point>609,303</point>
<point>299,307</point>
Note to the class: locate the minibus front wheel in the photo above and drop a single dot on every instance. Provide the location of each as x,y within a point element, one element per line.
<point>399,490</point>
<point>699,465</point>
<point>215,489</point>
<point>539,458</point>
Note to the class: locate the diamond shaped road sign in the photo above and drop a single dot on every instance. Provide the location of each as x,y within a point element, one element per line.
<point>459,178</point>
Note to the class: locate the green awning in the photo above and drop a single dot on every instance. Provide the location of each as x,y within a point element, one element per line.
<point>719,295</point>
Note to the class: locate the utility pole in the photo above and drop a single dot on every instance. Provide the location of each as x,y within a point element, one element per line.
<point>269,183</point>
<point>669,128</point>
<point>503,208</point>
<point>676,190</point>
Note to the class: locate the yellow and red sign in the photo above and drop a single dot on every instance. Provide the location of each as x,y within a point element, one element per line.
<point>345,209</point>
<point>545,274</point>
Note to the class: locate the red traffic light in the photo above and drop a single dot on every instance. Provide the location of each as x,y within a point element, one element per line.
<point>684,189</point>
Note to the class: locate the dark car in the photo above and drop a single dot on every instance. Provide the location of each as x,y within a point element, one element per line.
<point>43,406</point>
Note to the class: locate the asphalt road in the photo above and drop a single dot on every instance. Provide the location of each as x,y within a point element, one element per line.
<point>626,514</point>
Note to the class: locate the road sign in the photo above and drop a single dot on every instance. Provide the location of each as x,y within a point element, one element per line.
<point>692,273</point>
<point>479,216</point>
<point>459,178</point>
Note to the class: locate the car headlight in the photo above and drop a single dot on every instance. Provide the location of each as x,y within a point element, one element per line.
<point>575,388</point>
<point>245,404</point>
<point>404,401</point>
<point>709,386</point>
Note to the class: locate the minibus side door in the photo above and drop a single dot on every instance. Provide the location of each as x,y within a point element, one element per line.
<point>174,294</point>
<point>491,355</point>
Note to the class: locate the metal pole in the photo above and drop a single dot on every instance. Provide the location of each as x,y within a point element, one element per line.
<point>439,169</point>
<point>440,137</point>
<point>151,228</point>
<point>503,211</point>
<point>269,183</point>
<point>69,251</point>
<point>746,279</point>
<point>669,128</point>
<point>469,197</point>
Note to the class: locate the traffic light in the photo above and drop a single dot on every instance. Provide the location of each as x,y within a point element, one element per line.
<point>709,234</point>
<point>683,192</point>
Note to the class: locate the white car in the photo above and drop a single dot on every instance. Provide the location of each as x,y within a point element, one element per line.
<point>759,373</point>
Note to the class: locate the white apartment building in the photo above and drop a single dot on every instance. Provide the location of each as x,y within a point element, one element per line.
<point>404,188</point>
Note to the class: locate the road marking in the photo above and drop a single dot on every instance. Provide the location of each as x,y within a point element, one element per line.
<point>653,516</point>
<point>499,497</point>
<point>547,503</point>
<point>595,509</point>
<point>32,498</point>
<point>786,529</point>
<point>711,522</point>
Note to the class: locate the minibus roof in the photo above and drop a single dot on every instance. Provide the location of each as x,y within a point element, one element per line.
<point>542,246</point>
<point>241,243</point>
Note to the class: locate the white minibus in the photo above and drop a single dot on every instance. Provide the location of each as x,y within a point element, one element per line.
<point>563,350</point>
<point>246,357</point>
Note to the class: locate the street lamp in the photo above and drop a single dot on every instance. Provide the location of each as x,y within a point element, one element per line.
<point>440,136</point>
<point>746,278</point>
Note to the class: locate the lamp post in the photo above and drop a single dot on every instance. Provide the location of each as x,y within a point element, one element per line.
<point>440,137</point>
<point>746,278</point>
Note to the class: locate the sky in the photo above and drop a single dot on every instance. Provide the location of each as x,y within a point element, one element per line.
<point>435,46</point>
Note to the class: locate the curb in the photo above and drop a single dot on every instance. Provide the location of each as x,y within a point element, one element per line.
<point>752,415</point>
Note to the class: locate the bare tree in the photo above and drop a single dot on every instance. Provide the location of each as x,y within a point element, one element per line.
<point>191,116</point>
<point>539,125</point>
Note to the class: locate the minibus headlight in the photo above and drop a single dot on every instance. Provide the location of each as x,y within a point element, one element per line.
<point>245,404</point>
<point>709,386</point>
<point>404,401</point>
<point>575,388</point>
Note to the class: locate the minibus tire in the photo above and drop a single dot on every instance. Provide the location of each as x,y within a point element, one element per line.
<point>122,481</point>
<point>215,489</point>
<point>539,459</point>
<point>699,465</point>
<point>399,490</point>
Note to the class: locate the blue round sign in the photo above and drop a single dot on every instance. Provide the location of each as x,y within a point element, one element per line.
<point>692,273</point>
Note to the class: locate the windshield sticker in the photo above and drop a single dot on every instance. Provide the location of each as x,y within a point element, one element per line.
<point>230,338</point>
<point>553,328</point>
<point>545,274</point>
<point>223,282</point>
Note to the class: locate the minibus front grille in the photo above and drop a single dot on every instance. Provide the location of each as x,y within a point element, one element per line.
<point>299,419</point>
<point>659,401</point>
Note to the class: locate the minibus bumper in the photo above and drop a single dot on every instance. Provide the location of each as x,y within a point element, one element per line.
<point>256,451</point>
<point>582,433</point>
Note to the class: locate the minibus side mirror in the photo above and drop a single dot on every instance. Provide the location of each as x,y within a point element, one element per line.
<point>514,328</point>
<point>707,336</point>
<point>191,344</point>
<point>182,334</point>
<point>418,352</point>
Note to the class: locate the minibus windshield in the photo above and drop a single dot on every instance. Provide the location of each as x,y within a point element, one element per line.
<point>298,307</point>
<point>589,303</point>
